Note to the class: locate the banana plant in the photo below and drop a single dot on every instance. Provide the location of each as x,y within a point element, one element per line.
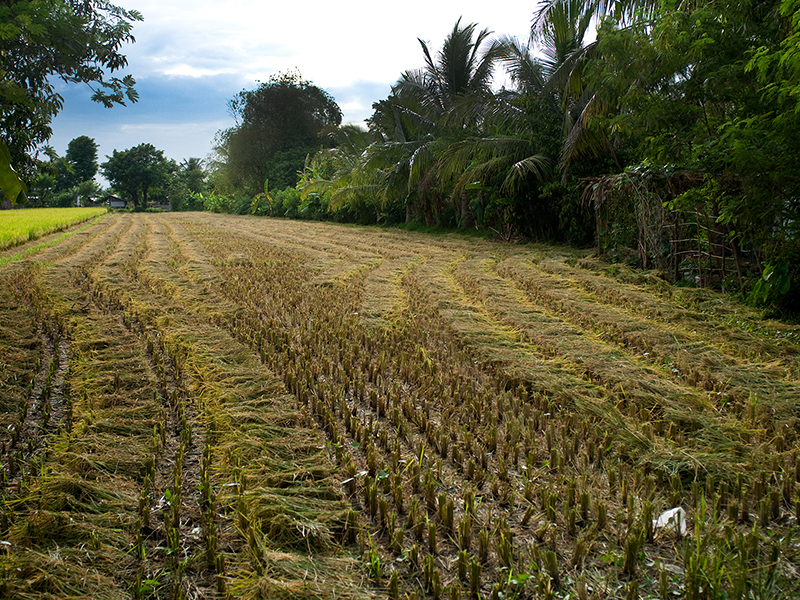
<point>10,183</point>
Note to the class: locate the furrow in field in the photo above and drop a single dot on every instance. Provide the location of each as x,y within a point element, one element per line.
<point>730,383</point>
<point>170,502</point>
<point>92,472</point>
<point>380,409</point>
<point>316,239</point>
<point>734,329</point>
<point>356,427</point>
<point>394,400</point>
<point>383,300</point>
<point>253,428</point>
<point>624,374</point>
<point>46,410</point>
<point>385,260</point>
<point>514,355</point>
<point>687,313</point>
<point>23,362</point>
<point>635,388</point>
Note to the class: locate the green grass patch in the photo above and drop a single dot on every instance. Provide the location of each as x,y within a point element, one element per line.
<point>25,225</point>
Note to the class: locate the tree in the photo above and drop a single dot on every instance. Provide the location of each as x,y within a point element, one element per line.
<point>82,158</point>
<point>277,125</point>
<point>135,171</point>
<point>186,185</point>
<point>77,41</point>
<point>464,66</point>
<point>428,109</point>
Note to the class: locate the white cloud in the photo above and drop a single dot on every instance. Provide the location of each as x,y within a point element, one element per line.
<point>333,44</point>
<point>192,56</point>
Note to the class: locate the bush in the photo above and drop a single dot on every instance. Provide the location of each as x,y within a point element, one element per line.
<point>285,203</point>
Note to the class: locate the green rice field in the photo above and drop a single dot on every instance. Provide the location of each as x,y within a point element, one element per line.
<point>18,226</point>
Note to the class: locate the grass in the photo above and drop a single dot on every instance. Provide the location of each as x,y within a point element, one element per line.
<point>25,225</point>
<point>267,408</point>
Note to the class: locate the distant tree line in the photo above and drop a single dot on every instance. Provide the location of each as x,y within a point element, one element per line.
<point>141,175</point>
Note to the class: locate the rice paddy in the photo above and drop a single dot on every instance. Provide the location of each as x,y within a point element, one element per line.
<point>19,226</point>
<point>207,406</point>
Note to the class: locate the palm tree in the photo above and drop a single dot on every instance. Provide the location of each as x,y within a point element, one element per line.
<point>560,27</point>
<point>510,156</point>
<point>463,67</point>
<point>382,167</point>
<point>339,170</point>
<point>191,164</point>
<point>423,114</point>
<point>624,12</point>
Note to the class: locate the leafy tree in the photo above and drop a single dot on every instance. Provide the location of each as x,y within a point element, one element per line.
<point>134,172</point>
<point>79,164</point>
<point>77,41</point>
<point>277,125</point>
<point>82,157</point>
<point>705,96</point>
<point>188,183</point>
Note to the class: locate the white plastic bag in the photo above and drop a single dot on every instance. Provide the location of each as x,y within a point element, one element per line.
<point>672,520</point>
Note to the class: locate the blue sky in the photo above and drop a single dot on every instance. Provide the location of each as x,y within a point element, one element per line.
<point>190,58</point>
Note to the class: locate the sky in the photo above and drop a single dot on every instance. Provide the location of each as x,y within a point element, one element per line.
<point>192,56</point>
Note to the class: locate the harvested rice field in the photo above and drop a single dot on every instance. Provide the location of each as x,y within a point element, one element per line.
<point>206,406</point>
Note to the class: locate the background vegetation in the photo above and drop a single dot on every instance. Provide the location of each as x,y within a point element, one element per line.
<point>661,133</point>
<point>666,141</point>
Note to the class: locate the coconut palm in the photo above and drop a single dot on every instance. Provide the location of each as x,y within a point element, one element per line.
<point>418,119</point>
<point>338,170</point>
<point>624,12</point>
<point>560,28</point>
<point>464,66</point>
<point>511,155</point>
<point>385,167</point>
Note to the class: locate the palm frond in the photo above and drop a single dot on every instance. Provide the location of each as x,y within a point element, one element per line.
<point>622,11</point>
<point>584,139</point>
<point>420,163</point>
<point>522,67</point>
<point>566,79</point>
<point>355,195</point>
<point>536,165</point>
<point>485,159</point>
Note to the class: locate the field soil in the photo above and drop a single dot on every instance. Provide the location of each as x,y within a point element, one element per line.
<point>206,406</point>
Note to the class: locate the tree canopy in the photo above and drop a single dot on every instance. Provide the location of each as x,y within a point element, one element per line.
<point>277,125</point>
<point>134,172</point>
<point>82,157</point>
<point>77,41</point>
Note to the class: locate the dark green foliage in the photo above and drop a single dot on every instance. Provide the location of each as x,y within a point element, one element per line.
<point>135,171</point>
<point>45,40</point>
<point>278,125</point>
<point>187,185</point>
<point>82,157</point>
<point>689,96</point>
